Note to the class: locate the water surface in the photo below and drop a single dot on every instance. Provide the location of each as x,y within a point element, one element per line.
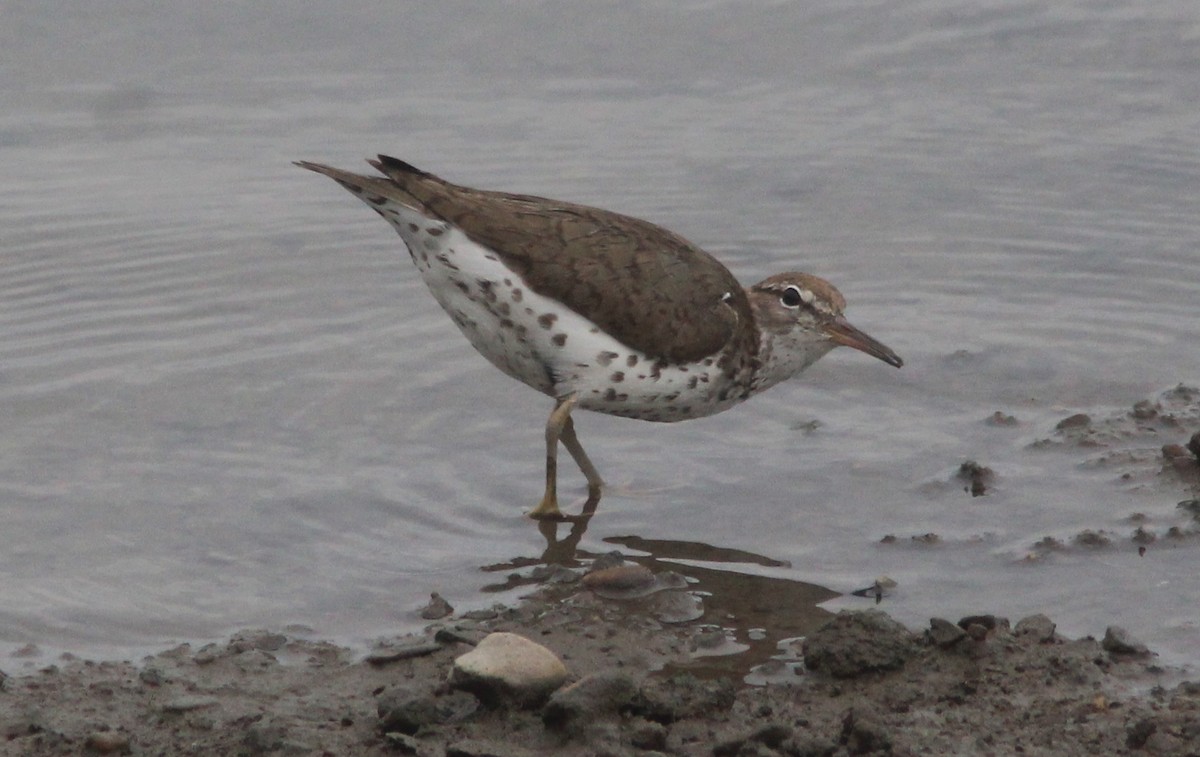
<point>226,398</point>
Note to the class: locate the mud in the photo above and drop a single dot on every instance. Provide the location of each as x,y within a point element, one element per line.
<point>858,683</point>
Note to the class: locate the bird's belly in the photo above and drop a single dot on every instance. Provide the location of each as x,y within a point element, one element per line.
<point>542,343</point>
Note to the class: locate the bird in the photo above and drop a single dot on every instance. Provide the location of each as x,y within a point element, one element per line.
<point>599,310</point>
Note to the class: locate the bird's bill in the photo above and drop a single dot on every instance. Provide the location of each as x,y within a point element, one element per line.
<point>841,332</point>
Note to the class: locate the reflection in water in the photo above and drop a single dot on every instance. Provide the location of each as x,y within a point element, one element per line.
<point>747,616</point>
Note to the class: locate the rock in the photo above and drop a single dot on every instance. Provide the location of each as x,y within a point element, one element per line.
<point>987,622</point>
<point>592,697</point>
<point>508,667</point>
<point>404,710</point>
<point>437,608</point>
<point>943,633</point>
<point>151,675</point>
<point>855,643</point>
<point>1145,410</point>
<point>456,635</point>
<point>1001,419</point>
<point>384,655</point>
<point>1079,420</point>
<point>976,476</point>
<point>625,580</point>
<point>482,614</point>
<point>1038,627</point>
<point>264,641</point>
<point>674,607</point>
<point>1118,641</point>
<point>108,742</point>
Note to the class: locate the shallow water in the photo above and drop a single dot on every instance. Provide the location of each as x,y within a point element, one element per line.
<point>227,399</point>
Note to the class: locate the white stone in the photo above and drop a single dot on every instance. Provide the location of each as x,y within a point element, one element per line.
<point>509,666</point>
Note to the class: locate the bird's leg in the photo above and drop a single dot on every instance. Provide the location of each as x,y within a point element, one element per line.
<point>560,418</point>
<point>571,442</point>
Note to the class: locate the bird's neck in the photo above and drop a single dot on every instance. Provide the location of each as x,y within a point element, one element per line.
<point>782,356</point>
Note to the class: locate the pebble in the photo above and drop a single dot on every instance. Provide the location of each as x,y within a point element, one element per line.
<point>943,633</point>
<point>151,675</point>
<point>1037,627</point>
<point>1079,420</point>
<point>189,703</point>
<point>1118,641</point>
<point>266,641</point>
<point>484,748</point>
<point>621,579</point>
<point>675,606</point>
<point>507,666</point>
<point>108,742</point>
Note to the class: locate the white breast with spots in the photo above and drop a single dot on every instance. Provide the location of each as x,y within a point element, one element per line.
<point>544,344</point>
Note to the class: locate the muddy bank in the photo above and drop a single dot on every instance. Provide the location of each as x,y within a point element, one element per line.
<point>610,677</point>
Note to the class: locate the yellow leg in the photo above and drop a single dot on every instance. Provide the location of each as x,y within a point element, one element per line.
<point>560,426</point>
<point>571,442</point>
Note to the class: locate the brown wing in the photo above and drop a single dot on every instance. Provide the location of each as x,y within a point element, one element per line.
<point>650,288</point>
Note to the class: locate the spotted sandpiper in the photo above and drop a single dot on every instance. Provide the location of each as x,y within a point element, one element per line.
<point>599,310</point>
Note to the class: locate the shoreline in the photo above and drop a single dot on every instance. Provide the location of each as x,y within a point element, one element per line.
<point>643,674</point>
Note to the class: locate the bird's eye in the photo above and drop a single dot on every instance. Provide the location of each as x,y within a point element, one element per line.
<point>793,296</point>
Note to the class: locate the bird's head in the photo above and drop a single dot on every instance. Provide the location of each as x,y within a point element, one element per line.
<point>800,317</point>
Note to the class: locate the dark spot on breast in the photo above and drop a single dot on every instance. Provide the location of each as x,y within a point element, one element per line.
<point>559,339</point>
<point>611,395</point>
<point>693,381</point>
<point>631,361</point>
<point>463,286</point>
<point>414,228</point>
<point>617,377</point>
<point>487,288</point>
<point>434,231</point>
<point>376,199</point>
<point>517,294</point>
<point>547,320</point>
<point>605,357</point>
<point>504,308</point>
